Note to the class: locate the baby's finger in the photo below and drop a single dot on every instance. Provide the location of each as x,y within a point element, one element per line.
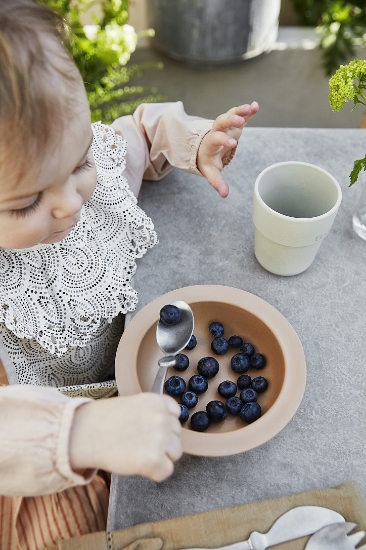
<point>172,405</point>
<point>216,140</point>
<point>245,110</point>
<point>214,177</point>
<point>227,120</point>
<point>174,449</point>
<point>175,426</point>
<point>162,470</point>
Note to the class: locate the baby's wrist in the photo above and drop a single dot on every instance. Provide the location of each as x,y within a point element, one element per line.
<point>84,433</point>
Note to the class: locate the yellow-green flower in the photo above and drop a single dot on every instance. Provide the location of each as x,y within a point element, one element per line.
<point>349,83</point>
<point>341,88</point>
<point>342,85</point>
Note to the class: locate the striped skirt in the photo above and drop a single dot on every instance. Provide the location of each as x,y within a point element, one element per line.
<point>34,523</point>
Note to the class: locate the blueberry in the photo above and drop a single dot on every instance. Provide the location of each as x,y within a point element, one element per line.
<point>192,342</point>
<point>200,421</point>
<point>247,348</point>
<point>189,399</point>
<point>240,363</point>
<point>216,329</point>
<point>184,414</point>
<point>181,362</point>
<point>248,395</point>
<point>216,411</point>
<point>169,314</point>
<point>219,345</point>
<point>198,383</point>
<point>250,412</point>
<point>234,405</point>
<point>259,384</point>
<point>235,341</point>
<point>227,389</point>
<point>175,386</point>
<point>208,367</point>
<point>258,361</point>
<point>244,381</point>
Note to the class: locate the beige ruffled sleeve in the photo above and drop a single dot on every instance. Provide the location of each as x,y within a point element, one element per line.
<point>35,424</point>
<point>160,136</point>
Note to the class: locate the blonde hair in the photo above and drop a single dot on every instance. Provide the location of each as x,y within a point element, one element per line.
<point>37,77</point>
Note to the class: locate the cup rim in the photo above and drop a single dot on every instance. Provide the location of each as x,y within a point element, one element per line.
<point>293,219</point>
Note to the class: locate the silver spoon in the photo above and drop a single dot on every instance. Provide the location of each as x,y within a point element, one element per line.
<point>335,537</point>
<point>171,340</point>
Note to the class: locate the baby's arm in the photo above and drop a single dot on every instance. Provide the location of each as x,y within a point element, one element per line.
<point>50,442</point>
<point>138,434</point>
<point>217,146</point>
<point>162,135</point>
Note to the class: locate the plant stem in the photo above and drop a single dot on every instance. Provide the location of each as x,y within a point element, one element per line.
<point>363,97</point>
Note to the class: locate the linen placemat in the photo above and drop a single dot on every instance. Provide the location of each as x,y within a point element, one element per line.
<point>226,525</point>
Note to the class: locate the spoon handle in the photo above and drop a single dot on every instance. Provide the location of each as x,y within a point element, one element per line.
<point>164,364</point>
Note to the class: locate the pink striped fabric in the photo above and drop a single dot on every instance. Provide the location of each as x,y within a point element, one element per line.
<point>33,523</point>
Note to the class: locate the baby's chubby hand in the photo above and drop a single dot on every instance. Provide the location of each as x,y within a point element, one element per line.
<point>217,145</point>
<point>134,435</point>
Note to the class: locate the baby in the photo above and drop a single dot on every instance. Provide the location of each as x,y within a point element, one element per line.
<point>70,234</point>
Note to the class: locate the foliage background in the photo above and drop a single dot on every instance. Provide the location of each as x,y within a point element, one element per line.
<point>342,25</point>
<point>101,52</point>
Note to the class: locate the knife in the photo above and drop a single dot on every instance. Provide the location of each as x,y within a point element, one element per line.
<point>297,522</point>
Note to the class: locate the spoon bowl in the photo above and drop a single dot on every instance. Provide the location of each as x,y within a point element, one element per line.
<point>334,537</point>
<point>171,340</point>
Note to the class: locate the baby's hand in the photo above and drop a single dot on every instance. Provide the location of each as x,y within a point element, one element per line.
<point>134,435</point>
<point>217,145</point>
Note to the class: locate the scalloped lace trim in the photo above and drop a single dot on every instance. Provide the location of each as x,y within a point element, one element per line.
<point>59,293</point>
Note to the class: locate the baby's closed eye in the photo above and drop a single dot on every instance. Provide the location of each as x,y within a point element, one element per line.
<point>23,212</point>
<point>82,167</point>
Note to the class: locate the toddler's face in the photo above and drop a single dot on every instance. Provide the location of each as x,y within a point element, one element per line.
<point>46,204</point>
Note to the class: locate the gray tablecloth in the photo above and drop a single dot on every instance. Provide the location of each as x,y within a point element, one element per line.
<point>207,240</point>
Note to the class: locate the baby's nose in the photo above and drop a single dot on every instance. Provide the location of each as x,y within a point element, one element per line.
<point>67,204</point>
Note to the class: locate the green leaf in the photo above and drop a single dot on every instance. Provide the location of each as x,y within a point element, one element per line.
<point>101,57</point>
<point>357,167</point>
<point>342,25</point>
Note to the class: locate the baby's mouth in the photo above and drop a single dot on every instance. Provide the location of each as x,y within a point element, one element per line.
<point>68,228</point>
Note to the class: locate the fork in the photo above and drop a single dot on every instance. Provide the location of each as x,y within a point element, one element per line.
<point>335,537</point>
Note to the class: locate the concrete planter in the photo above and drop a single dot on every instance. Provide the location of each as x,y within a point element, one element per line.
<point>213,31</point>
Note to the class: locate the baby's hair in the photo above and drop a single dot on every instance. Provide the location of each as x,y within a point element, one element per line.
<point>37,77</point>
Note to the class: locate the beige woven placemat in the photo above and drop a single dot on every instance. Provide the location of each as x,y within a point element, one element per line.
<point>224,526</point>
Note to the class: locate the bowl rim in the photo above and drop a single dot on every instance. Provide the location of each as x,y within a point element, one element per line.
<point>291,393</point>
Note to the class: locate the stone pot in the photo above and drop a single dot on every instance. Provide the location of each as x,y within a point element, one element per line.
<point>213,31</point>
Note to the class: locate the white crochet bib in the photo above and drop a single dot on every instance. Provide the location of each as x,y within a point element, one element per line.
<point>56,297</point>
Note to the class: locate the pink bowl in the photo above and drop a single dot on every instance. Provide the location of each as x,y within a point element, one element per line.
<point>242,314</point>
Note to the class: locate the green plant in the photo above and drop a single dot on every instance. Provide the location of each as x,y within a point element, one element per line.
<point>349,84</point>
<point>101,52</point>
<point>341,24</point>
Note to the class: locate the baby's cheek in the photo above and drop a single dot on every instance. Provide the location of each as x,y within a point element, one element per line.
<point>19,234</point>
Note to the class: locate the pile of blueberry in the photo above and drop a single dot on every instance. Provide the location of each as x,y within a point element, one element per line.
<point>245,405</point>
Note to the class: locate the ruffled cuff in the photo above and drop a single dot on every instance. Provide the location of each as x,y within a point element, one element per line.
<point>62,457</point>
<point>35,426</point>
<point>194,151</point>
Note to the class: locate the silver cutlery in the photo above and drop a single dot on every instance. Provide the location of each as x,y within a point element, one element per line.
<point>297,522</point>
<point>334,537</point>
<point>171,340</point>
